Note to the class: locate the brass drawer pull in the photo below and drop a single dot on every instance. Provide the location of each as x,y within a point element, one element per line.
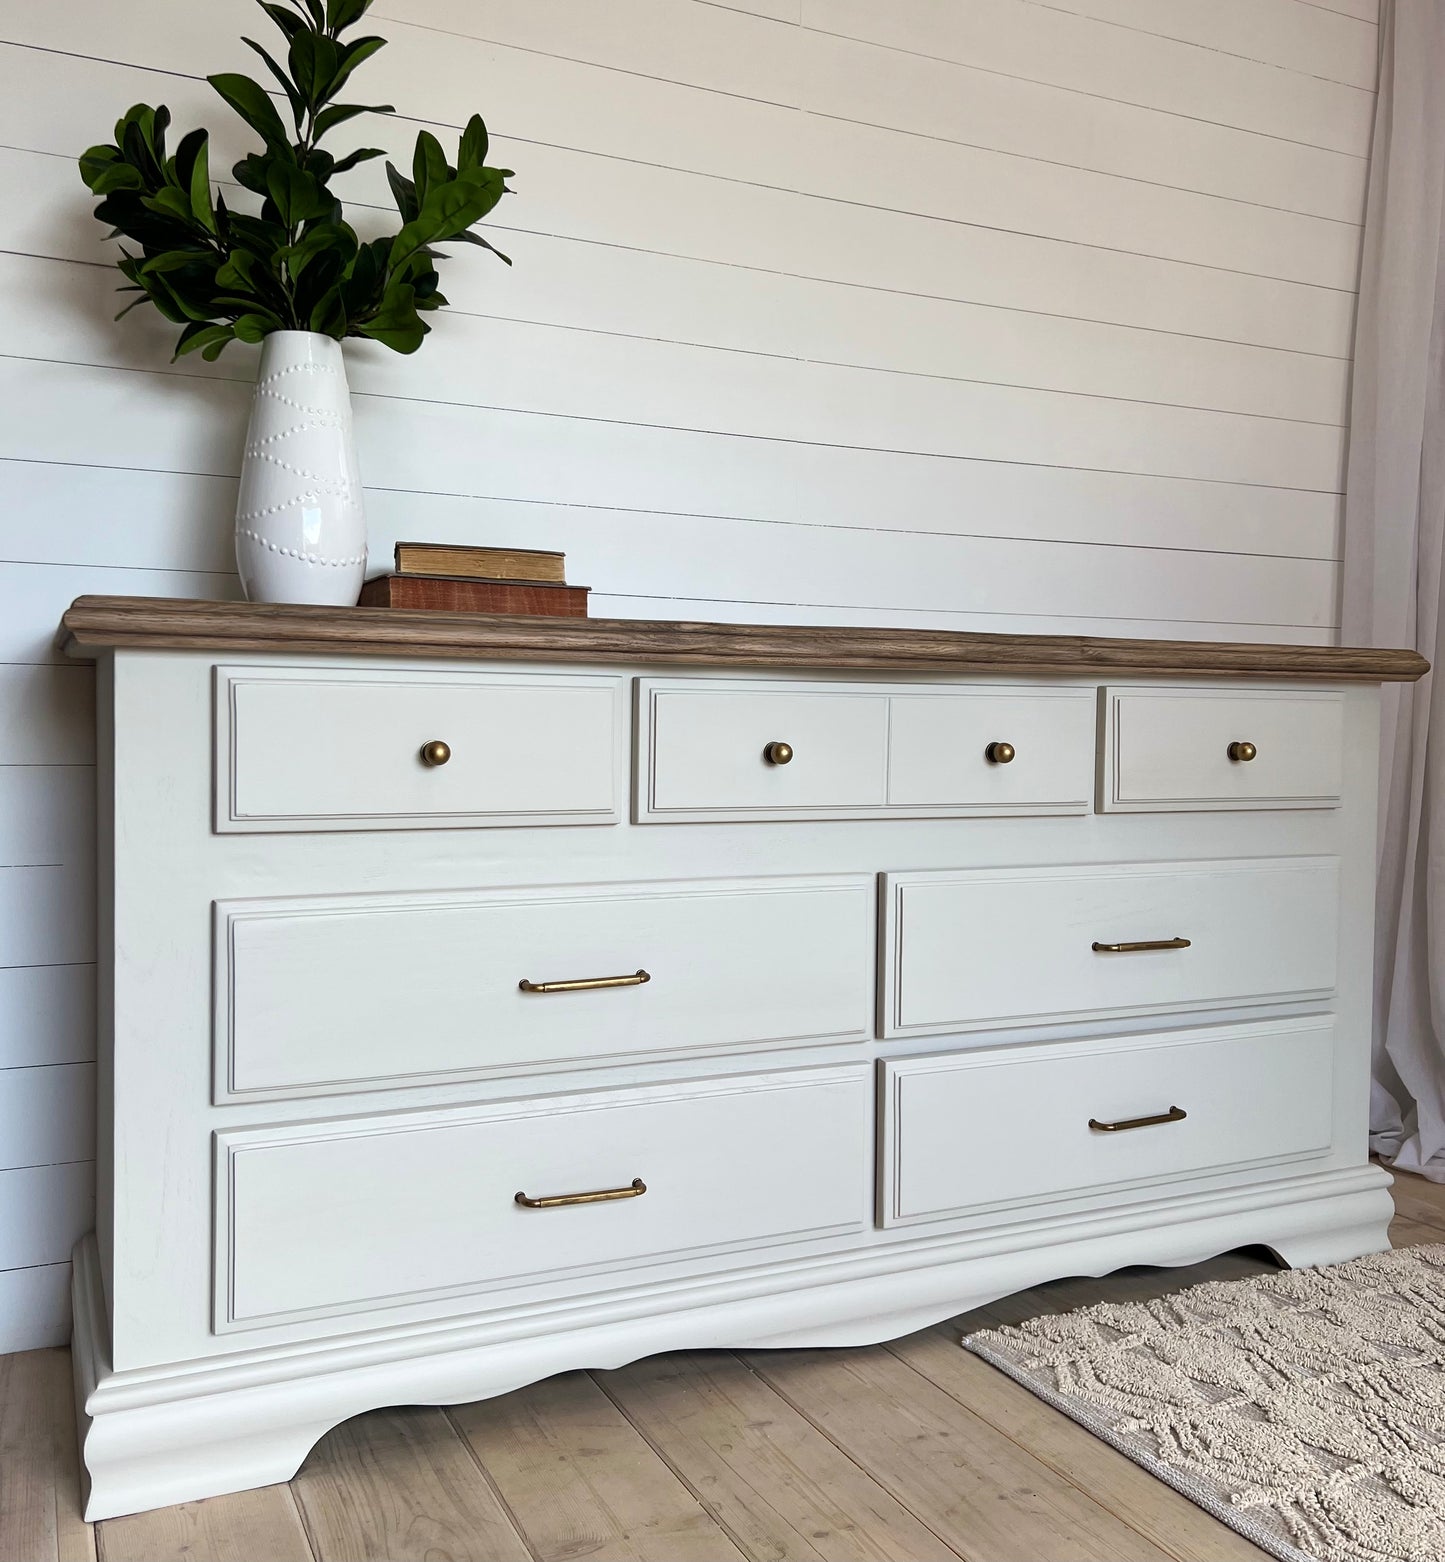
<point>1175,1114</point>
<point>1143,943</point>
<point>634,1190</point>
<point>436,752</point>
<point>1242,752</point>
<point>778,753</point>
<point>1000,753</point>
<point>585,984</point>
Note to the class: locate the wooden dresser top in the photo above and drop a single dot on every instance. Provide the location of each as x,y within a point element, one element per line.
<point>94,624</point>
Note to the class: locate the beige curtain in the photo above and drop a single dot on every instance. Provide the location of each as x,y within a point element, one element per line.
<point>1394,524</point>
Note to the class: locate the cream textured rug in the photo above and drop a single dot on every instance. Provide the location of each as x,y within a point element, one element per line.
<point>1305,1409</point>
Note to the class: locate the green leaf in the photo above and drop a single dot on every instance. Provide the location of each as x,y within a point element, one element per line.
<point>353,54</point>
<point>297,102</point>
<point>428,164</point>
<point>286,20</point>
<point>317,13</point>
<point>119,176</point>
<point>403,192</point>
<point>325,238</point>
<point>201,208</point>
<point>95,160</point>
<point>296,194</point>
<point>476,238</point>
<point>338,113</point>
<point>329,314</point>
<point>314,61</point>
<point>253,103</point>
<point>472,151</point>
<point>362,154</point>
<point>448,210</point>
<point>210,339</point>
<point>396,324</point>
<point>252,327</point>
<point>170,202</point>
<point>341,14</point>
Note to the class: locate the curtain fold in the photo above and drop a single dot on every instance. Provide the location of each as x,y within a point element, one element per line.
<point>1394,530</point>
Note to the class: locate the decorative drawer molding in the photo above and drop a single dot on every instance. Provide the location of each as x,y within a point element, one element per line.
<point>359,1214</point>
<point>308,749</point>
<point>316,995</point>
<point>708,750</point>
<point>976,1131</point>
<point>989,948</point>
<point>1172,750</point>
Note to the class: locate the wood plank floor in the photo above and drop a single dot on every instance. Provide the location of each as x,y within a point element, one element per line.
<point>914,1451</point>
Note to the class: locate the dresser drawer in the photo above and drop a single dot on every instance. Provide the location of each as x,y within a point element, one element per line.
<point>709,750</point>
<point>343,750</point>
<point>334,993</point>
<point>1183,749</point>
<point>356,1214</point>
<point>983,1130</point>
<point>982,948</point>
<point>713,751</point>
<point>992,751</point>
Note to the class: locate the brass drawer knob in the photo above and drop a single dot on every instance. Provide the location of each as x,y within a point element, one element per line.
<point>436,752</point>
<point>1000,753</point>
<point>1242,752</point>
<point>778,753</point>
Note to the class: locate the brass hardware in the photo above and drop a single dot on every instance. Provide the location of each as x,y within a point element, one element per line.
<point>1242,752</point>
<point>1000,753</point>
<point>436,752</point>
<point>634,1190</point>
<point>778,753</point>
<point>585,984</point>
<point>1143,943</point>
<point>1175,1114</point>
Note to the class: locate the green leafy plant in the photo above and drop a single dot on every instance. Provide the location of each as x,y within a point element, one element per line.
<point>226,275</point>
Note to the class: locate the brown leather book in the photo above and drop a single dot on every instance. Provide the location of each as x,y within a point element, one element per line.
<point>443,558</point>
<point>441,593</point>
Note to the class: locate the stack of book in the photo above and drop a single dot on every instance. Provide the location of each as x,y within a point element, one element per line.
<point>441,577</point>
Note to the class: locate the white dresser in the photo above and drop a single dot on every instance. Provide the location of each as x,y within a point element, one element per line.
<point>484,998</point>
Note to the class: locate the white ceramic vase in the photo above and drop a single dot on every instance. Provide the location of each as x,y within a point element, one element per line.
<point>300,527</point>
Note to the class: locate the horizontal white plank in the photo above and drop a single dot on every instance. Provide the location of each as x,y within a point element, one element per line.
<point>1275,32</point>
<point>851,79</point>
<point>44,1211</point>
<point>47,1115</point>
<point>593,287</point>
<point>33,596</point>
<point>34,1308</point>
<point>47,916</point>
<point>690,558</point>
<point>47,814</point>
<point>405,446</point>
<point>569,375</point>
<point>1045,43</point>
<point>665,211</point>
<point>671,609</point>
<point>47,1015</point>
<point>716,47</point>
<point>47,714</point>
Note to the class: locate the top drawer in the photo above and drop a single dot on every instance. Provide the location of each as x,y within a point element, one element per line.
<point>715,749</point>
<point>342,749</point>
<point>1172,750</point>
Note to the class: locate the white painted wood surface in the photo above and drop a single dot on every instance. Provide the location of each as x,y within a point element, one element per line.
<point>968,950</point>
<point>342,750</point>
<point>823,311</point>
<point>441,998</point>
<point>1175,748</point>
<point>758,1161</point>
<point>954,1127</point>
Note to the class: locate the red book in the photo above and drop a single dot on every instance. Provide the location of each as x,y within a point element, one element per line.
<point>446,594</point>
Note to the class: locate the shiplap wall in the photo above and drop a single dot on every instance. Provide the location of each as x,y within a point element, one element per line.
<point>956,313</point>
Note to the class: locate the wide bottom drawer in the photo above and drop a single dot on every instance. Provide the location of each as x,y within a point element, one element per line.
<point>968,1132</point>
<point>363,1213</point>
